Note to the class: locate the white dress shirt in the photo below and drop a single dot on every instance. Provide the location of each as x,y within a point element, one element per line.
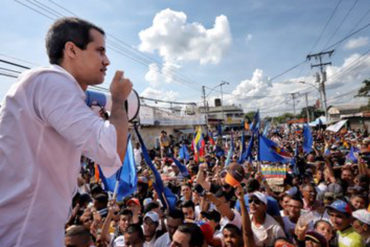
<point>45,127</point>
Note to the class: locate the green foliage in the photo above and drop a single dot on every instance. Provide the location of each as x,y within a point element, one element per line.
<point>249,116</point>
<point>364,90</point>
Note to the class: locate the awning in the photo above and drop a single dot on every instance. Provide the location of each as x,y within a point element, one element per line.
<point>321,119</point>
<point>337,126</point>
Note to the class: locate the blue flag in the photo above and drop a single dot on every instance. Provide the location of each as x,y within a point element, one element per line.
<point>126,176</point>
<point>267,127</point>
<point>184,153</point>
<point>182,168</point>
<point>231,151</point>
<point>307,139</point>
<point>269,151</point>
<point>351,155</point>
<point>294,160</point>
<point>219,129</point>
<point>243,148</point>
<point>256,122</point>
<point>248,153</point>
<point>166,196</point>
<point>219,151</point>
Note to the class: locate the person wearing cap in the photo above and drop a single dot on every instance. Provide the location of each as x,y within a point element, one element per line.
<point>134,205</point>
<point>361,224</point>
<point>150,225</point>
<point>173,220</point>
<point>272,204</point>
<point>265,228</point>
<point>314,239</point>
<point>341,217</point>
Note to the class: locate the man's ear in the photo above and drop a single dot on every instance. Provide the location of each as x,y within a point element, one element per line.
<point>70,49</point>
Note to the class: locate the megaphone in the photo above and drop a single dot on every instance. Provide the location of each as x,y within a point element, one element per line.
<point>132,104</point>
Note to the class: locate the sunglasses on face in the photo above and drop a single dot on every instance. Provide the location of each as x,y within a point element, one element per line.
<point>255,201</point>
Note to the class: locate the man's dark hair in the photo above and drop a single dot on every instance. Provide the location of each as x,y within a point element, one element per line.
<point>81,232</point>
<point>126,211</point>
<point>176,214</point>
<point>196,235</point>
<point>68,29</point>
<point>233,228</point>
<point>297,198</point>
<point>151,206</point>
<point>188,204</point>
<point>252,185</point>
<point>135,228</point>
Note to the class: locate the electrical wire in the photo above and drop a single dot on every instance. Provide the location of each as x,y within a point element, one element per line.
<point>325,26</point>
<point>341,23</point>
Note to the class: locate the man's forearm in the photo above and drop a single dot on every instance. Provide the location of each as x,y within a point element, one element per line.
<point>118,119</point>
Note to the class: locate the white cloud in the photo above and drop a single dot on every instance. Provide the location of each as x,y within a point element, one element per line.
<point>273,98</point>
<point>178,41</point>
<point>153,93</point>
<point>248,37</point>
<point>356,43</point>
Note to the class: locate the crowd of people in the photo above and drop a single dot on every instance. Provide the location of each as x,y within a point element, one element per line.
<point>324,200</point>
<point>220,198</point>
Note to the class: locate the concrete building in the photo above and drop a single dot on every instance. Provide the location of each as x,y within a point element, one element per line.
<point>357,118</point>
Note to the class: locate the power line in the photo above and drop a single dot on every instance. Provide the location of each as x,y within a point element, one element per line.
<point>10,70</point>
<point>141,58</point>
<point>347,36</point>
<point>14,64</point>
<point>8,75</point>
<point>341,23</point>
<point>326,25</point>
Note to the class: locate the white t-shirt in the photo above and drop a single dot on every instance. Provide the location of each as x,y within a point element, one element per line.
<point>266,234</point>
<point>45,127</point>
<point>163,241</point>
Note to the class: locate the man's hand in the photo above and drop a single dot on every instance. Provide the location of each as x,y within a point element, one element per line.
<point>120,87</point>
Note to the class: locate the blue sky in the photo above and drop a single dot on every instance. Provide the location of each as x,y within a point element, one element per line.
<point>176,46</point>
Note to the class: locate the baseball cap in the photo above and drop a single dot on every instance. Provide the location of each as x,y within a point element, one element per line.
<point>260,196</point>
<point>134,200</point>
<point>340,206</point>
<point>152,215</point>
<point>317,238</point>
<point>362,215</point>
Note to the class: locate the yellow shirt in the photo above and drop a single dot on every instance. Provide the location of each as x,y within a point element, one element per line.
<point>349,238</point>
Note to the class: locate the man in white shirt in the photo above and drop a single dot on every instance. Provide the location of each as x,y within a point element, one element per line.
<point>45,127</point>
<point>265,228</point>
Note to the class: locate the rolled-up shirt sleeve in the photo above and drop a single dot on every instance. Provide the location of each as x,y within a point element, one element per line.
<point>61,104</point>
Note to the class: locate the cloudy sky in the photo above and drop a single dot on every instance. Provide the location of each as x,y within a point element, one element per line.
<point>171,48</point>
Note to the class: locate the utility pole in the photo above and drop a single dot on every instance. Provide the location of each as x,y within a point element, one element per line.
<point>205,104</point>
<point>222,99</point>
<point>293,97</point>
<point>307,113</point>
<point>323,74</point>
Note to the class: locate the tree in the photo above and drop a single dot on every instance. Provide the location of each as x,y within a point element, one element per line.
<point>364,90</point>
<point>249,116</point>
